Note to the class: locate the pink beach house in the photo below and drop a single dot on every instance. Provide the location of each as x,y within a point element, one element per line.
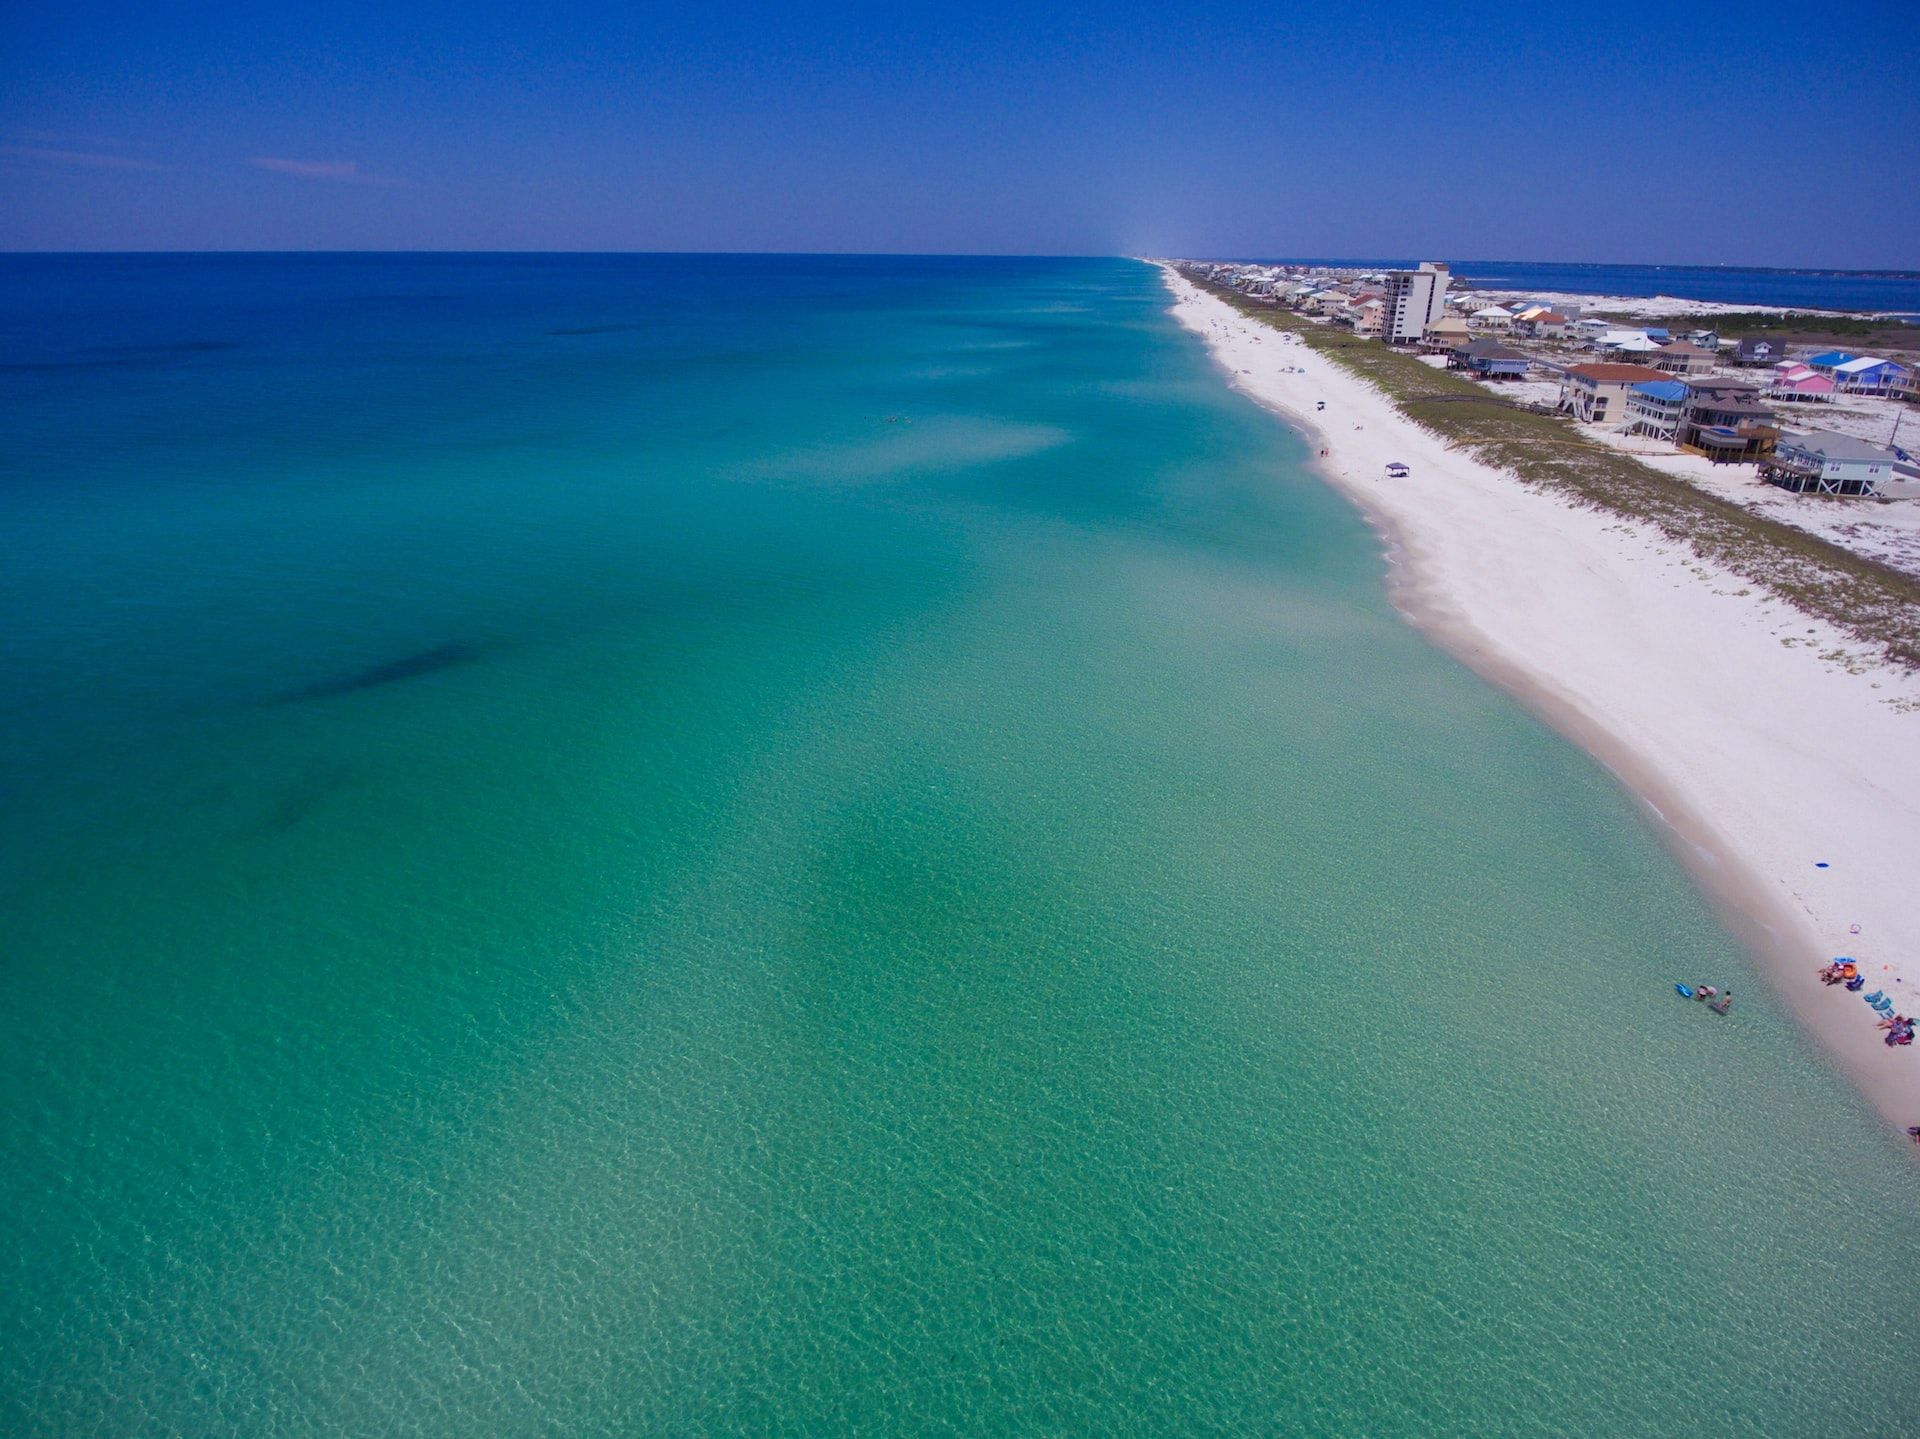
<point>1795,381</point>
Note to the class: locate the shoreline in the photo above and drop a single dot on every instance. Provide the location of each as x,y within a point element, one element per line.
<point>1701,705</point>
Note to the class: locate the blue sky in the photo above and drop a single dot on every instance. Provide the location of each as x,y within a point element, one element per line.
<point>1756,133</point>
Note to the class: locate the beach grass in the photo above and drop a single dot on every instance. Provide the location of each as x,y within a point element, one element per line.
<point>1868,601</point>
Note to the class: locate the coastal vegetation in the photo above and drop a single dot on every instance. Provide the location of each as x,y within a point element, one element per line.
<point>1870,602</point>
<point>1798,326</point>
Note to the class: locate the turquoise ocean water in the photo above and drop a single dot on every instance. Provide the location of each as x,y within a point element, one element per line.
<point>779,846</point>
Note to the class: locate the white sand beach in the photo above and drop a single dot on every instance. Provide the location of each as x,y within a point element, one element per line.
<point>1644,307</point>
<point>1766,741</point>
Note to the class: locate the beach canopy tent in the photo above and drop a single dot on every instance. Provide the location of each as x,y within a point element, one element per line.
<point>1397,470</point>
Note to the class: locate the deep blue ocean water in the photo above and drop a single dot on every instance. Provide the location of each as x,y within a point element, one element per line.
<point>618,845</point>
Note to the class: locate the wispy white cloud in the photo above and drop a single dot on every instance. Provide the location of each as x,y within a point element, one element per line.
<point>345,171</point>
<point>86,159</point>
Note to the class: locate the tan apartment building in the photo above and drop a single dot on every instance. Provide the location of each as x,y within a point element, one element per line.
<point>1597,394</point>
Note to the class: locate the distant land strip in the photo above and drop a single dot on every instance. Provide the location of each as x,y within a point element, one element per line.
<point>1869,601</point>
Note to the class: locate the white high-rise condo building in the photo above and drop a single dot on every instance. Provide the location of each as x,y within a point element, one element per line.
<point>1414,301</point>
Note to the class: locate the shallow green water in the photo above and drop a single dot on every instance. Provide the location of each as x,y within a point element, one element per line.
<point>694,846</point>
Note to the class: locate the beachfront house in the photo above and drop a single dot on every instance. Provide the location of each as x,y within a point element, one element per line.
<point>1729,427</point>
<point>1654,407</point>
<point>1824,463</point>
<point>1542,324</point>
<point>1414,300</point>
<point>1830,360</point>
<point>1597,394</point>
<point>1490,318</point>
<point>1681,357</point>
<point>1795,381</point>
<point>1488,360</point>
<point>1443,334</point>
<point>1626,342</point>
<point>1869,376</point>
<point>1756,350</point>
<point>1370,319</point>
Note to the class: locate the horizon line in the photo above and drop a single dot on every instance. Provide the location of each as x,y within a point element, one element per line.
<point>1343,261</point>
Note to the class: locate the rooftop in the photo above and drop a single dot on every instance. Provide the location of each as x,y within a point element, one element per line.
<point>1865,362</point>
<point>1489,349</point>
<point>1828,445</point>
<point>1605,374</point>
<point>1662,389</point>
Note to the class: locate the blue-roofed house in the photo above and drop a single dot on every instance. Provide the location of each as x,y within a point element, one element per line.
<point>1830,361</point>
<point>1654,408</point>
<point>1870,376</point>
